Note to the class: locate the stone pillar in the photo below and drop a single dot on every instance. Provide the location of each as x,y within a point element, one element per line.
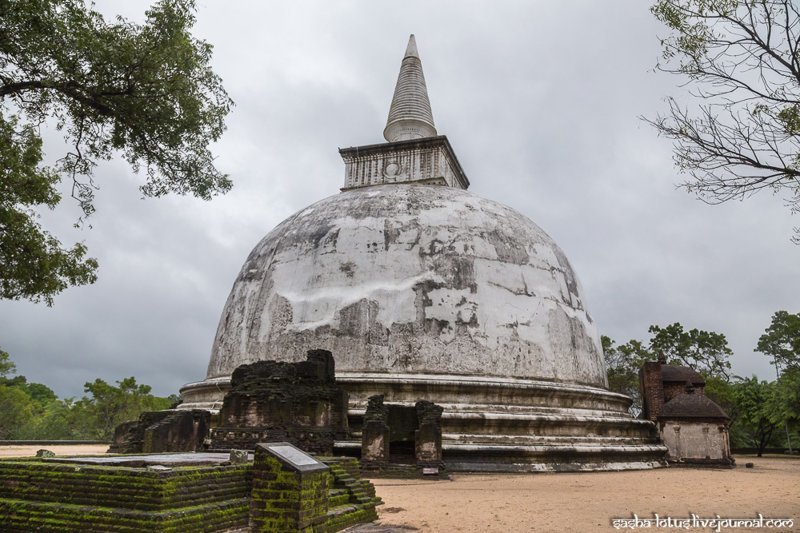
<point>428,438</point>
<point>290,490</point>
<point>652,390</point>
<point>375,434</point>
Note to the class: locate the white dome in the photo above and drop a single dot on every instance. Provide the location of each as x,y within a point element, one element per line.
<point>412,279</point>
<point>422,290</point>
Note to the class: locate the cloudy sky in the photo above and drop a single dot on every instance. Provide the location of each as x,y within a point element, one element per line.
<point>540,101</point>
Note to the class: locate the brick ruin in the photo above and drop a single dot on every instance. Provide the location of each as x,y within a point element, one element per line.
<point>272,401</point>
<point>295,492</point>
<point>162,431</point>
<point>269,401</point>
<point>299,403</point>
<point>691,425</point>
<point>398,434</point>
<point>428,438</point>
<point>375,435</point>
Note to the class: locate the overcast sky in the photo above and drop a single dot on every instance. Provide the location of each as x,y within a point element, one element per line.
<point>540,101</point>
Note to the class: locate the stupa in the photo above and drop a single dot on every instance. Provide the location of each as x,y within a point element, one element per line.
<point>423,290</point>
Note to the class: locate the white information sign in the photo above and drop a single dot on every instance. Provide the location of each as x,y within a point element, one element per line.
<point>293,455</point>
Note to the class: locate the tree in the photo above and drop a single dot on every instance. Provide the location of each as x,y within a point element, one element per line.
<point>17,409</point>
<point>705,351</point>
<point>722,392</point>
<point>757,419</point>
<point>785,401</point>
<point>145,91</point>
<point>781,340</point>
<point>109,406</point>
<point>741,58</point>
<point>7,367</point>
<point>622,364</point>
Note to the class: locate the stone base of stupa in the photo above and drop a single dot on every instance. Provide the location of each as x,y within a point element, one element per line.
<point>499,424</point>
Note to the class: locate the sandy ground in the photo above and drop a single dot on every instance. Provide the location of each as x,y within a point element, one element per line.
<point>589,501</point>
<point>573,502</point>
<point>61,449</point>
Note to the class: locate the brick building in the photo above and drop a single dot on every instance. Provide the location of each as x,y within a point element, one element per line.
<point>691,425</point>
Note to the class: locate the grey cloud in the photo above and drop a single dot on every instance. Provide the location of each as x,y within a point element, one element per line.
<point>541,102</point>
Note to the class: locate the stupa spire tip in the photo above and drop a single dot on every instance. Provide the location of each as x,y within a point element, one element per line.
<point>411,49</point>
<point>410,114</point>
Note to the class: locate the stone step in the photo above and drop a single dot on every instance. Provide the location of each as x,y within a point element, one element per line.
<point>484,457</point>
<point>341,509</point>
<point>341,499</point>
<point>533,424</point>
<point>347,515</point>
<point>575,440</point>
<point>454,410</point>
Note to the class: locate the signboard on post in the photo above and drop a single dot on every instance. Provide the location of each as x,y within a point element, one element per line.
<point>293,456</point>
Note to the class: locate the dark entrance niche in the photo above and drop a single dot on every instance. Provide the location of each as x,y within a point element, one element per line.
<point>401,435</point>
<point>403,424</point>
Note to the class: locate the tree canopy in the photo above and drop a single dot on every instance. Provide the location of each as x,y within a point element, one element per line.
<point>705,351</point>
<point>742,60</point>
<point>781,340</point>
<point>622,365</point>
<point>6,365</point>
<point>143,91</point>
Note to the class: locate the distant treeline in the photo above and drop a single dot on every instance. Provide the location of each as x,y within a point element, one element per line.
<point>32,411</point>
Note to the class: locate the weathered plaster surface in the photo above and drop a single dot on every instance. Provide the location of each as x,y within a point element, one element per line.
<point>695,440</point>
<point>411,279</point>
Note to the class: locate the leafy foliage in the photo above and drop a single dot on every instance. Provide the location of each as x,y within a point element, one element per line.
<point>145,91</point>
<point>762,413</point>
<point>6,365</point>
<point>34,266</point>
<point>705,351</point>
<point>623,363</point>
<point>722,393</point>
<point>785,401</point>
<point>17,409</point>
<point>781,340</point>
<point>757,420</point>
<point>108,406</point>
<point>741,59</point>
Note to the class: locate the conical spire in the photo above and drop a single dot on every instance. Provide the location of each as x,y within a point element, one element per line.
<point>410,115</point>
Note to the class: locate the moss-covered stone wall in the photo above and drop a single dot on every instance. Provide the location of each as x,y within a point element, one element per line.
<point>119,486</point>
<point>49,496</point>
<point>285,498</point>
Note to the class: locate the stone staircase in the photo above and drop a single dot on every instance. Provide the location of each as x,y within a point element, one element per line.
<point>351,499</point>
